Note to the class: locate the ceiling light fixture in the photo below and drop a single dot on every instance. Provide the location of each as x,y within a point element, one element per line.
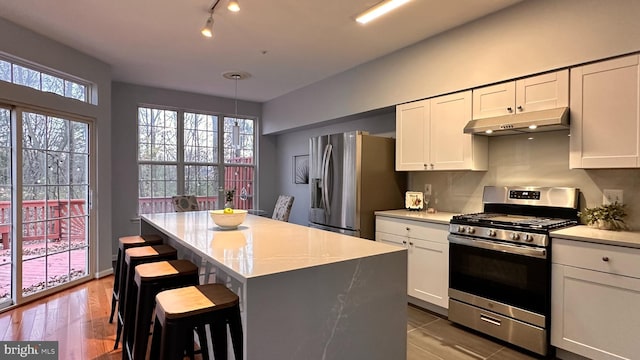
<point>233,6</point>
<point>235,131</point>
<point>379,9</point>
<point>207,29</point>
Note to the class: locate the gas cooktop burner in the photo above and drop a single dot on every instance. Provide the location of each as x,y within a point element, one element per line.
<point>520,221</point>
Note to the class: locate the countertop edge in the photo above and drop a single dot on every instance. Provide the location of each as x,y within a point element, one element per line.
<point>630,239</point>
<point>435,218</point>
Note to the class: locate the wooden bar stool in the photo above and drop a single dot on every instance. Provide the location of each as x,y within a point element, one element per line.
<point>125,243</point>
<point>181,310</point>
<point>149,280</point>
<point>133,257</point>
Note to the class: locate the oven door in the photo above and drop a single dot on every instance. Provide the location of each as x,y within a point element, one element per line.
<point>513,275</point>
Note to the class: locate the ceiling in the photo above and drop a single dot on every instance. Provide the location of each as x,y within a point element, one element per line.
<point>284,44</point>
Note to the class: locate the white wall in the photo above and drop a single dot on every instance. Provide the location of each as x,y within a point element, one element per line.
<point>530,37</point>
<point>27,45</point>
<point>126,99</point>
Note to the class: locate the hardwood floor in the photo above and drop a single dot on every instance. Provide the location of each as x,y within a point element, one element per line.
<point>78,319</point>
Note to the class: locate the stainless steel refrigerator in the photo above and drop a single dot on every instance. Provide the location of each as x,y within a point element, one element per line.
<point>352,175</point>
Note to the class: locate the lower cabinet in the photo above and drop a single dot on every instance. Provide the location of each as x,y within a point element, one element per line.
<point>428,251</point>
<point>596,294</point>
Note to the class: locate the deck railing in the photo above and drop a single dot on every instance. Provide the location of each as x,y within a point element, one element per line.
<point>45,219</point>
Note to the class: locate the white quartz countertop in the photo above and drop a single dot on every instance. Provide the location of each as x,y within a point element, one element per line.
<point>262,246</point>
<point>607,237</point>
<point>438,217</point>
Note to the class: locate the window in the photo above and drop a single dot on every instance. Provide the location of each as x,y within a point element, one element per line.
<point>182,152</point>
<point>43,80</point>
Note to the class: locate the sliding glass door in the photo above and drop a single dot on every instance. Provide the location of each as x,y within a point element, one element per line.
<point>50,184</point>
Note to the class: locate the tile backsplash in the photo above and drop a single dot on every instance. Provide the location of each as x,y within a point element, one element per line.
<point>519,160</point>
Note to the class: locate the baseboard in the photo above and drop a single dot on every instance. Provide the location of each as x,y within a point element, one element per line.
<point>428,306</point>
<point>566,355</point>
<point>104,273</point>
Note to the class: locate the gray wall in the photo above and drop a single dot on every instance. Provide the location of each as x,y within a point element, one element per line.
<point>527,38</point>
<point>381,123</point>
<point>126,99</point>
<point>25,44</point>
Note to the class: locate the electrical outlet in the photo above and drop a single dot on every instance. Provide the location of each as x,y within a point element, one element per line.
<point>427,189</point>
<point>610,196</point>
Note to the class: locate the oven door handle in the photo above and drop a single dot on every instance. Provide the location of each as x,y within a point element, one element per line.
<point>496,246</point>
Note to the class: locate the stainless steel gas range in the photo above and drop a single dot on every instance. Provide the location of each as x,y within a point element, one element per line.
<point>500,263</point>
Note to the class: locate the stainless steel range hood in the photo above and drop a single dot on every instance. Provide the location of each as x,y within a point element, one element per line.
<point>527,122</point>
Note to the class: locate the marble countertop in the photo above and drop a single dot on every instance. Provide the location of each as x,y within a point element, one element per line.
<point>262,246</point>
<point>607,237</point>
<point>438,217</point>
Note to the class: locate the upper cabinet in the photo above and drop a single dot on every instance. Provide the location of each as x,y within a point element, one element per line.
<point>430,135</point>
<point>412,135</point>
<point>605,114</point>
<point>542,92</point>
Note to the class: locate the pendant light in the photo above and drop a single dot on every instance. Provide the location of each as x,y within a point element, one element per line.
<point>235,130</point>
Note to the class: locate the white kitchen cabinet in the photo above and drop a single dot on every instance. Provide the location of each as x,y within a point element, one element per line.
<point>605,114</point>
<point>595,296</point>
<point>412,135</point>
<point>541,92</point>
<point>430,135</point>
<point>428,251</point>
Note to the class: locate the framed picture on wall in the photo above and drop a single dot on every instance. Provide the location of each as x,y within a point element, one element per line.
<point>301,169</point>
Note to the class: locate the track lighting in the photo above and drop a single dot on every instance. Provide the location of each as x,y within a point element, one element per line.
<point>207,30</point>
<point>233,6</point>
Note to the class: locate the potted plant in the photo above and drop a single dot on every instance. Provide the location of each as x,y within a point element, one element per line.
<point>605,217</point>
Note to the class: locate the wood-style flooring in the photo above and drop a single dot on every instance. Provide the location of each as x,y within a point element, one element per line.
<point>78,318</point>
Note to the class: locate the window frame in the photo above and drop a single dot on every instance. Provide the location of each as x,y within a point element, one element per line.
<point>218,162</point>
<point>43,70</point>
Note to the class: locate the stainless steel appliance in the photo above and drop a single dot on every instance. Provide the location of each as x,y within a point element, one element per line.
<point>351,175</point>
<point>500,263</point>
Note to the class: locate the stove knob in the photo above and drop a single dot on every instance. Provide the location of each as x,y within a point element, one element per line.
<point>470,230</point>
<point>514,236</point>
<point>528,238</point>
<point>460,229</point>
<point>491,232</point>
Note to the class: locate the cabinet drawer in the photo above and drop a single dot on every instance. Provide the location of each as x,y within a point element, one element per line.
<point>606,258</point>
<point>413,229</point>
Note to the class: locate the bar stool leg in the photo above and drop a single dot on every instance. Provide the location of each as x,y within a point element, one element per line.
<point>202,338</point>
<point>154,353</point>
<point>219,337</point>
<point>173,340</point>
<point>235,328</point>
<point>116,285</point>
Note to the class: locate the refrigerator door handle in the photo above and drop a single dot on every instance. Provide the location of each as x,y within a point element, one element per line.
<point>326,160</point>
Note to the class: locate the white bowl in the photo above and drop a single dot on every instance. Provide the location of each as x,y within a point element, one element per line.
<point>228,221</point>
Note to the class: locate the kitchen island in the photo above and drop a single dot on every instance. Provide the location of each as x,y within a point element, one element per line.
<point>305,293</point>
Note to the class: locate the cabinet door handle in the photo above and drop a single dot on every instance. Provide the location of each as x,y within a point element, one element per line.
<point>520,108</point>
<point>410,243</point>
<point>509,109</point>
<point>404,242</point>
<point>407,228</point>
<point>605,258</point>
